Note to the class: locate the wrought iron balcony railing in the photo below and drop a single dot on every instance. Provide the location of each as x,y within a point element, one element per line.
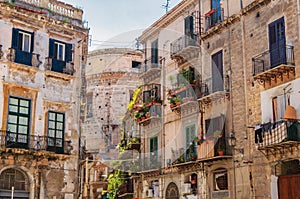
<point>213,17</point>
<point>270,59</point>
<point>278,134</point>
<point>150,63</point>
<point>34,142</point>
<point>211,86</point>
<point>22,57</point>
<point>182,43</point>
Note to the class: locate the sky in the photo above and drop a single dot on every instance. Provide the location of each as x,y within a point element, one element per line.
<point>116,23</point>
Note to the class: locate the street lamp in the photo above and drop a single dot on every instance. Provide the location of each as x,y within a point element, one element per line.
<point>232,143</point>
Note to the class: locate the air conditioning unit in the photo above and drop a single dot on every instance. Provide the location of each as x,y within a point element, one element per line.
<point>149,193</point>
<point>186,188</point>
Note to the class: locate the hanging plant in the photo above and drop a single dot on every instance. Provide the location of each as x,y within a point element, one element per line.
<point>134,98</point>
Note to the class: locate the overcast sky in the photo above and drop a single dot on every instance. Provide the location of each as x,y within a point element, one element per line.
<point>117,22</point>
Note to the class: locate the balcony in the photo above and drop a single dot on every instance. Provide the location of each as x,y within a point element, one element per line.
<point>272,66</point>
<point>126,189</point>
<point>53,9</point>
<point>150,70</point>
<point>213,17</point>
<point>183,97</point>
<point>60,66</point>
<point>148,107</point>
<point>152,163</point>
<point>278,137</point>
<point>185,49</point>
<point>213,146</point>
<point>212,90</point>
<point>34,143</point>
<point>24,58</point>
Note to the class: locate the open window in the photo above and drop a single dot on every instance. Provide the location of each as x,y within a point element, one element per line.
<point>220,180</point>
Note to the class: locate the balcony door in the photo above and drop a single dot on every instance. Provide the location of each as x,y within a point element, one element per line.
<point>277,43</point>
<point>217,72</point>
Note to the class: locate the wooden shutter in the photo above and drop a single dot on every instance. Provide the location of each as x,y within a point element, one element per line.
<point>51,48</point>
<point>154,52</point>
<point>68,52</point>
<point>15,38</point>
<point>189,26</point>
<point>217,72</point>
<point>32,42</point>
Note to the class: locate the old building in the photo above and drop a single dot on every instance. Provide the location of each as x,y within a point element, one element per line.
<point>217,113</point>
<point>111,76</point>
<point>43,48</point>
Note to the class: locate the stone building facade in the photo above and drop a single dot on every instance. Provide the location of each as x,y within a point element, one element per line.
<point>43,48</point>
<point>111,77</point>
<point>227,126</point>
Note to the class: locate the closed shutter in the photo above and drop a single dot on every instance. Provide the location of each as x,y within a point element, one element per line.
<point>154,52</point>
<point>15,38</point>
<point>217,72</point>
<point>189,26</point>
<point>68,52</point>
<point>32,42</point>
<point>51,48</point>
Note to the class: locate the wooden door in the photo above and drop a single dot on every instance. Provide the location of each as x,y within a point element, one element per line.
<point>288,187</point>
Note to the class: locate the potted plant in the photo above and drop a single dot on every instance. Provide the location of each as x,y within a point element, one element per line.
<point>177,101</point>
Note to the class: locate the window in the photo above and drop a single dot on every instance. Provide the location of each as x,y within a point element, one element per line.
<point>18,122</point>
<point>13,178</point>
<point>217,72</point>
<point>189,27</point>
<point>89,107</point>
<point>279,104</point>
<point>154,146</point>
<point>154,52</point>
<point>190,134</point>
<point>136,64</point>
<point>220,180</point>
<point>60,52</point>
<point>23,42</point>
<point>56,123</point>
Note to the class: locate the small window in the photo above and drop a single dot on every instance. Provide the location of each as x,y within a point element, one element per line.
<point>89,107</point>
<point>24,41</point>
<point>136,64</point>
<point>220,180</point>
<point>59,51</point>
<point>13,178</point>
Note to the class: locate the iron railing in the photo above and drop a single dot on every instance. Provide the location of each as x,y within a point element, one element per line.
<point>34,142</point>
<point>210,86</point>
<point>150,63</point>
<point>277,133</point>
<point>22,57</point>
<point>181,43</point>
<point>272,58</point>
<point>213,17</point>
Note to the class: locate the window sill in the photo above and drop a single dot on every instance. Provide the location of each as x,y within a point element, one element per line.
<point>60,76</point>
<point>24,68</point>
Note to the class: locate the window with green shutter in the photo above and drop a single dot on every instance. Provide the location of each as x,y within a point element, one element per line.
<point>18,122</point>
<point>55,138</point>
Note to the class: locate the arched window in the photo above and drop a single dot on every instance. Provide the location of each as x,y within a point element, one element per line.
<point>16,179</point>
<point>220,180</point>
<point>172,191</point>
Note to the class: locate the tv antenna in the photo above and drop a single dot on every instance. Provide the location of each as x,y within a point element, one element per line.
<point>167,6</point>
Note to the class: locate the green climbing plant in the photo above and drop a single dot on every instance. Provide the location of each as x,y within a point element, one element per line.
<point>115,180</point>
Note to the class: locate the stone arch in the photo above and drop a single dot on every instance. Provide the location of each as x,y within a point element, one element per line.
<point>172,191</point>
<point>20,178</point>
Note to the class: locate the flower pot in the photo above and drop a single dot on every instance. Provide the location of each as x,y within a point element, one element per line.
<point>172,105</point>
<point>178,103</point>
<point>221,153</point>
